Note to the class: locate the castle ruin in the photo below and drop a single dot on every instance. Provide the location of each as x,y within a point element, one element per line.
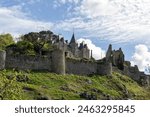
<point>71,58</point>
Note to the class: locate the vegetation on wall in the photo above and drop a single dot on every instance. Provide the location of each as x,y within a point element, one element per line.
<point>22,47</point>
<point>33,43</point>
<point>41,41</point>
<point>5,40</point>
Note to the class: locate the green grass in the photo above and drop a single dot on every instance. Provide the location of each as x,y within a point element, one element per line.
<point>68,87</point>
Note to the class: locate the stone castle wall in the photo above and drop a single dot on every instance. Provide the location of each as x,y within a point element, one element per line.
<point>80,67</point>
<point>134,73</point>
<point>28,62</point>
<point>88,67</point>
<point>57,62</point>
<point>104,68</point>
<point>54,62</point>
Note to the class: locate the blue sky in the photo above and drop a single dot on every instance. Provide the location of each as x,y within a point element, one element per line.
<point>122,23</point>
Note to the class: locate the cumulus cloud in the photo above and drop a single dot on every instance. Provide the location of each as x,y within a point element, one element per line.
<point>141,57</point>
<point>13,20</point>
<point>98,53</point>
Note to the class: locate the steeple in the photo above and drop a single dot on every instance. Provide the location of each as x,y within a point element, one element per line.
<point>73,40</point>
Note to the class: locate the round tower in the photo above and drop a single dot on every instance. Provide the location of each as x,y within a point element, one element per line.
<point>2,59</point>
<point>58,61</point>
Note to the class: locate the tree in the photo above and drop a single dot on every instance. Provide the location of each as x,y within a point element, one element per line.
<point>22,47</point>
<point>41,41</point>
<point>25,47</point>
<point>5,40</point>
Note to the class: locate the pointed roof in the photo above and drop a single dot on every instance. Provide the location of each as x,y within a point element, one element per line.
<point>73,40</point>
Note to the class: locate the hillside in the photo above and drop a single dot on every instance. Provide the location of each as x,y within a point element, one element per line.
<point>29,85</point>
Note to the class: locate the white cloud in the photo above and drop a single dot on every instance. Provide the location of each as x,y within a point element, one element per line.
<point>13,20</point>
<point>96,8</point>
<point>98,53</point>
<point>141,56</point>
<point>115,20</point>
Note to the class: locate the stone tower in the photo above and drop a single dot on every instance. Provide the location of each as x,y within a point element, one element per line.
<point>73,46</point>
<point>116,57</point>
<point>58,61</point>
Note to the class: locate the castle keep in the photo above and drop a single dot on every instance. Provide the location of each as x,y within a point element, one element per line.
<point>71,58</point>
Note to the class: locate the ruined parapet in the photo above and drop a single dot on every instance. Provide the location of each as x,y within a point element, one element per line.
<point>116,57</point>
<point>126,70</point>
<point>2,59</point>
<point>134,73</point>
<point>109,54</point>
<point>58,61</point>
<point>104,68</point>
<point>127,63</point>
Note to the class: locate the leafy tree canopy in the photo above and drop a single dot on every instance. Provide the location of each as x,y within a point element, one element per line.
<point>5,40</point>
<point>33,43</point>
<point>41,41</point>
<point>24,47</point>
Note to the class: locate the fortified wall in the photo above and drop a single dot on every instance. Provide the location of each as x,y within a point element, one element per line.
<point>24,62</point>
<point>71,58</point>
<point>55,62</point>
<point>135,74</point>
<point>58,62</point>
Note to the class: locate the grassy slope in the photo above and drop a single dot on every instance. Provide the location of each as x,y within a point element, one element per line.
<point>53,86</point>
